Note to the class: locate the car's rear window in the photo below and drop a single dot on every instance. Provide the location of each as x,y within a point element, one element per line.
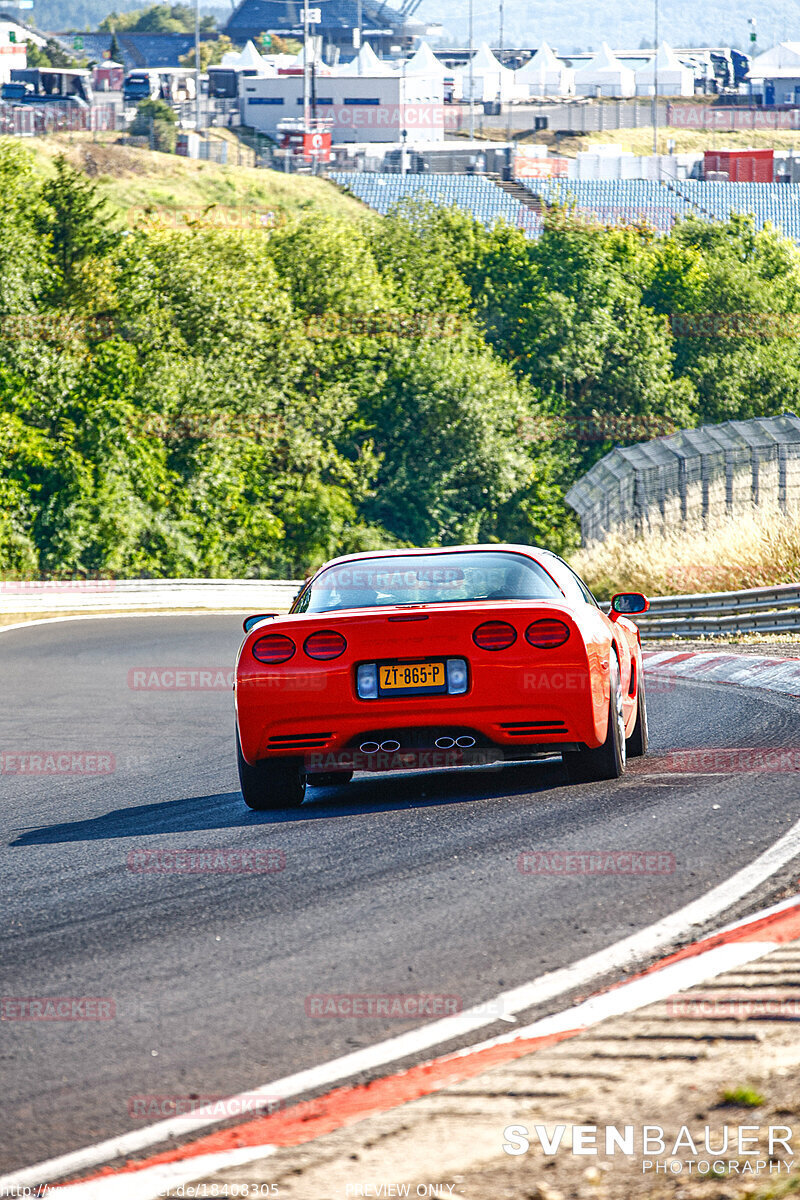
<point>428,579</point>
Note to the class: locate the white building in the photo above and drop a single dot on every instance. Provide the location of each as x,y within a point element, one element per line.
<point>545,75</point>
<point>13,48</point>
<point>611,161</point>
<point>363,108</point>
<point>775,75</point>
<point>673,78</point>
<point>605,75</point>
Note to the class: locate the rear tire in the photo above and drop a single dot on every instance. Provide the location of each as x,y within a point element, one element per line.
<point>636,745</point>
<point>608,760</point>
<point>272,784</point>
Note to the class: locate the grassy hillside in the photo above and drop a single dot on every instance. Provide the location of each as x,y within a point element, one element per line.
<point>136,180</point>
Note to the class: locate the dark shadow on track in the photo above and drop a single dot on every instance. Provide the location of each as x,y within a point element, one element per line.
<point>386,793</point>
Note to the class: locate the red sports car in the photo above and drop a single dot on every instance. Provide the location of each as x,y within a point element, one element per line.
<point>403,658</point>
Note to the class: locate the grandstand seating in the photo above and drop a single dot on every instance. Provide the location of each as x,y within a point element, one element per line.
<point>623,201</point>
<point>610,201</point>
<point>475,193</point>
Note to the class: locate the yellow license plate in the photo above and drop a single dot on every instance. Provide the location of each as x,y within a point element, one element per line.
<point>403,677</point>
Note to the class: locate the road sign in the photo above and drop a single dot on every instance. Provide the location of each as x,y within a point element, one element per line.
<point>314,16</point>
<point>266,40</point>
<point>77,43</point>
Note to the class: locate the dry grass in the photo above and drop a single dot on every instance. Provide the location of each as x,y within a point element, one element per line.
<point>136,181</point>
<point>756,549</point>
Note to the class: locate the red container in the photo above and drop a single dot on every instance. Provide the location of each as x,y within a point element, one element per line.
<point>740,166</point>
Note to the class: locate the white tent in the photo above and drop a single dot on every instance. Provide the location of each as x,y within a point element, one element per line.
<point>605,75</point>
<point>425,62</point>
<point>545,75</point>
<point>781,62</point>
<point>248,59</point>
<point>674,79</point>
<point>490,79</point>
<point>366,62</point>
<point>775,75</point>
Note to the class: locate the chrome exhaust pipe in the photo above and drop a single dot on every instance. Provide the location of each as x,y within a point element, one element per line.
<point>445,743</point>
<point>390,746</point>
<point>369,747</point>
<point>465,741</point>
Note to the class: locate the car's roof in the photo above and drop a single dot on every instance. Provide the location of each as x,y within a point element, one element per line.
<point>530,551</point>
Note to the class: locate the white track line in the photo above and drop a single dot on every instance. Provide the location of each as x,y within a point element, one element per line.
<point>115,616</point>
<point>633,950</point>
<point>152,1182</point>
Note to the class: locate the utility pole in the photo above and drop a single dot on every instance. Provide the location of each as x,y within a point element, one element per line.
<point>306,79</point>
<point>197,66</point>
<point>501,28</point>
<point>471,104</point>
<point>360,35</point>
<point>655,77</point>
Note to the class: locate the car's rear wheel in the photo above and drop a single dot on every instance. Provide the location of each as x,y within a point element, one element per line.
<point>608,760</point>
<point>271,784</point>
<point>636,746</point>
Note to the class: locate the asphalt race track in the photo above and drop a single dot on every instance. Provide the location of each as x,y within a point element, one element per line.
<point>392,885</point>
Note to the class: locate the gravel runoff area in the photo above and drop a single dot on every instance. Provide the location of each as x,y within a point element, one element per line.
<point>724,1054</point>
<point>769,648</point>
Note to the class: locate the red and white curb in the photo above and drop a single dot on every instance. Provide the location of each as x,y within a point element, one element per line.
<point>728,948</point>
<point>746,670</point>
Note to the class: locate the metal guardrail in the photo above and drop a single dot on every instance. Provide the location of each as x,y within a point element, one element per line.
<point>755,610</point>
<point>121,595</point>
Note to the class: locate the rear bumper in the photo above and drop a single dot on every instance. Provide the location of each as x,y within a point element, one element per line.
<point>542,709</point>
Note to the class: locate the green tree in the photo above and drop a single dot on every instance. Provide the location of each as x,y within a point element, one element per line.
<point>52,54</point>
<point>156,120</point>
<point>158,18</point>
<point>211,52</point>
<point>72,221</point>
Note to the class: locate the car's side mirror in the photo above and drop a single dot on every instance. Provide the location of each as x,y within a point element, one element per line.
<point>628,604</point>
<point>249,622</point>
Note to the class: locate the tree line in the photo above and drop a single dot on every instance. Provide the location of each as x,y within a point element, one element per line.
<point>201,401</point>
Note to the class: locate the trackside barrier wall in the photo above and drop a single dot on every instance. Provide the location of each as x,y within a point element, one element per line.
<point>696,473</point>
<point>757,610</point>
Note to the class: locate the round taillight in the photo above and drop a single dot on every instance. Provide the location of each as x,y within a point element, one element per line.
<point>495,635</point>
<point>326,643</point>
<point>274,648</point>
<point>547,634</point>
